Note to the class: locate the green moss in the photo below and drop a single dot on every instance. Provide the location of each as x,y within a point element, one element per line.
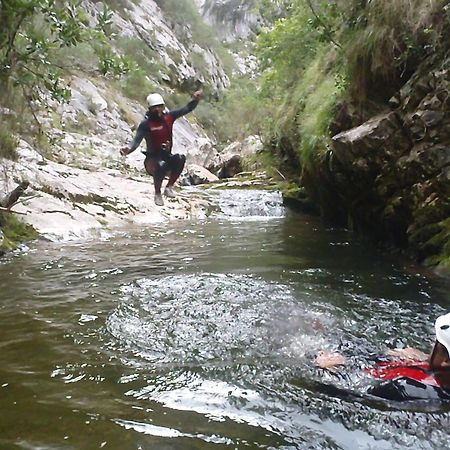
<point>15,232</point>
<point>443,266</point>
<point>436,246</point>
<point>237,106</point>
<point>300,122</point>
<point>296,197</point>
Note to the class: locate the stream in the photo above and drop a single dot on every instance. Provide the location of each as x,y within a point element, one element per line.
<point>201,335</point>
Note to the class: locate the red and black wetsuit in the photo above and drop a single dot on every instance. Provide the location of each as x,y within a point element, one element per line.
<point>157,132</point>
<point>404,380</point>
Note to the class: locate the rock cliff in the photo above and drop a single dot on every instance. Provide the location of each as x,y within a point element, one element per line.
<point>389,178</point>
<point>234,19</point>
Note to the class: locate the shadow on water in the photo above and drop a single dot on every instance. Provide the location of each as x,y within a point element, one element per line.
<point>199,335</point>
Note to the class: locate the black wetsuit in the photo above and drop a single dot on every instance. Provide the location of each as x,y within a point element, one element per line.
<point>410,381</point>
<point>157,132</point>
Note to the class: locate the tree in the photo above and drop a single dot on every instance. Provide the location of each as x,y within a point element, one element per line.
<point>31,30</point>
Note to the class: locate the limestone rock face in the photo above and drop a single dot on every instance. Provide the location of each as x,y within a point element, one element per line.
<point>235,19</point>
<point>144,21</point>
<point>65,202</point>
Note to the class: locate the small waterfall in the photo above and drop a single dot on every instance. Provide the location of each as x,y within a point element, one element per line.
<point>247,204</point>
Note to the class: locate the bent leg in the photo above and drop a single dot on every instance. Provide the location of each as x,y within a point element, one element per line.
<point>158,169</point>
<point>176,166</point>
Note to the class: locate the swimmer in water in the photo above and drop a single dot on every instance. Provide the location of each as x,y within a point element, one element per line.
<point>414,375</point>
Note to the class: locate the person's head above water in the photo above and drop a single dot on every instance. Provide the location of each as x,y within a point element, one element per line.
<point>442,327</point>
<point>440,356</point>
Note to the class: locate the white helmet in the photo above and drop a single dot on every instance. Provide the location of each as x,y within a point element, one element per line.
<point>442,327</point>
<point>155,100</point>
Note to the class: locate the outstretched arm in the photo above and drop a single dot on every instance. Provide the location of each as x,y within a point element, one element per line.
<point>196,97</point>
<point>408,353</point>
<point>134,144</point>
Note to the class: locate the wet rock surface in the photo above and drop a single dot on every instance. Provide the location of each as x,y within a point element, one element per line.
<point>67,202</point>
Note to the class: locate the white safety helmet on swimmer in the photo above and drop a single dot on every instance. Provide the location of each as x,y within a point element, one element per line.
<point>442,327</point>
<point>155,100</point>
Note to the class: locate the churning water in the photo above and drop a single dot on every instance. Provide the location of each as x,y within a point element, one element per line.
<point>201,335</point>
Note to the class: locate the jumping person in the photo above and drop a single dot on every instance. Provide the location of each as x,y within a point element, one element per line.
<point>414,375</point>
<point>156,128</point>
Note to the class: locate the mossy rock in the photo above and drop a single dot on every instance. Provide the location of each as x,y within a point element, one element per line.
<point>431,213</point>
<point>443,267</point>
<point>296,197</point>
<point>440,244</point>
<point>419,236</point>
<point>15,232</point>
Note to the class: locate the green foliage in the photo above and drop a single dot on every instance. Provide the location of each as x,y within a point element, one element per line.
<point>262,161</point>
<point>34,32</point>
<point>239,113</point>
<point>386,42</point>
<point>82,56</point>
<point>146,69</point>
<point>286,51</point>
<point>272,10</point>
<point>317,113</point>
<point>323,52</point>
<point>30,30</point>
<point>137,85</point>
<point>189,26</point>
<point>8,142</point>
<point>144,57</point>
<point>111,63</point>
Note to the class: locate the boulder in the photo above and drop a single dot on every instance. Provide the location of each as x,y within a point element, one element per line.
<point>195,174</point>
<point>230,161</point>
<point>376,141</point>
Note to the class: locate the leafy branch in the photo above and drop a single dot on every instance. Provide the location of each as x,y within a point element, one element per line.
<point>32,30</point>
<point>319,22</point>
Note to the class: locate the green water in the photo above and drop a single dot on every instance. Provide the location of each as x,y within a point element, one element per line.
<point>200,335</point>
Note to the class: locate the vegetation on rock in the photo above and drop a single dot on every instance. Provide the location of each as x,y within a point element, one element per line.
<point>15,232</point>
<point>331,66</point>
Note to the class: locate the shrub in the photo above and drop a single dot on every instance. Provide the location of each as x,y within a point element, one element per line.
<point>144,57</point>
<point>8,143</point>
<point>137,85</point>
<point>239,113</point>
<point>386,42</point>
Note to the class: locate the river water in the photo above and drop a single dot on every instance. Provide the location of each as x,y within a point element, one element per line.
<point>201,334</point>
